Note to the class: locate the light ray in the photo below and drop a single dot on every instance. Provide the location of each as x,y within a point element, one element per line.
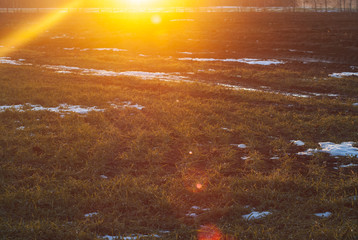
<point>26,33</point>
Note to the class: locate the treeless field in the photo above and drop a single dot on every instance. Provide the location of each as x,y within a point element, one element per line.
<point>180,126</point>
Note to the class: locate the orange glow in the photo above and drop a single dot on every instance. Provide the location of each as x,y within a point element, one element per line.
<point>195,180</point>
<point>26,33</point>
<point>156,19</point>
<point>209,232</point>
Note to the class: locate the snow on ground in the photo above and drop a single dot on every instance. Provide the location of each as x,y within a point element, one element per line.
<point>127,104</point>
<point>355,104</point>
<point>242,146</point>
<point>323,215</point>
<point>62,108</point>
<point>342,149</point>
<point>62,36</point>
<point>227,129</point>
<point>7,60</point>
<point>343,74</point>
<point>196,211</point>
<point>255,215</point>
<point>241,60</point>
<point>66,108</point>
<point>268,90</point>
<point>96,49</point>
<point>348,165</point>
<point>297,142</point>
<point>104,176</point>
<point>91,214</point>
<point>131,237</point>
<point>170,77</point>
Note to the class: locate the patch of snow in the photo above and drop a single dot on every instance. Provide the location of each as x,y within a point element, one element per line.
<point>7,60</point>
<point>323,215</point>
<point>168,77</point>
<point>342,149</point>
<point>348,165</point>
<point>195,211</point>
<point>343,74</point>
<point>255,215</point>
<point>297,142</point>
<point>194,215</point>
<point>64,71</point>
<point>195,207</point>
<point>355,104</point>
<point>62,108</point>
<point>275,158</point>
<point>104,176</point>
<point>110,49</point>
<point>241,60</point>
<point>91,214</point>
<point>242,146</point>
<point>127,104</point>
<point>188,53</point>
<point>69,49</point>
<point>62,36</point>
<point>245,158</point>
<point>108,237</point>
<point>20,128</point>
<point>227,129</point>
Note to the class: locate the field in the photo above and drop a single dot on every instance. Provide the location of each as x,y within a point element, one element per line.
<point>180,126</point>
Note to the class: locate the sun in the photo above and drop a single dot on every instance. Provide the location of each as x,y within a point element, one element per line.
<point>140,2</point>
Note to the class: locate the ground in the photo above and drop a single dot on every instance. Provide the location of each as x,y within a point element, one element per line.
<point>200,126</point>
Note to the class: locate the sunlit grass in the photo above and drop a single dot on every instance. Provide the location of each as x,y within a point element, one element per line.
<point>173,168</point>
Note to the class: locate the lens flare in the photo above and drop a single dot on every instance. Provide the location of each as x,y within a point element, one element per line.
<point>156,19</point>
<point>27,33</point>
<point>209,232</point>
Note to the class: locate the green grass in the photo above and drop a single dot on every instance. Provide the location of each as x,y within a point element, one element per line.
<point>50,174</point>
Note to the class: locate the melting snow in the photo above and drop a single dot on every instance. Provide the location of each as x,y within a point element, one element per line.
<point>195,211</point>
<point>343,74</point>
<point>104,176</point>
<point>62,108</point>
<point>348,165</point>
<point>241,60</point>
<point>62,36</point>
<point>227,129</point>
<point>323,215</point>
<point>343,149</point>
<point>111,49</point>
<point>131,237</point>
<point>91,214</point>
<point>20,128</point>
<point>127,104</point>
<point>95,72</point>
<point>297,142</point>
<point>239,145</point>
<point>256,215</point>
<point>7,60</point>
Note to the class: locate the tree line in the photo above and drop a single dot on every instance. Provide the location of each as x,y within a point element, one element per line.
<point>343,5</point>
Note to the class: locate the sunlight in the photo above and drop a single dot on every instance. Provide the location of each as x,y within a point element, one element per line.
<point>26,33</point>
